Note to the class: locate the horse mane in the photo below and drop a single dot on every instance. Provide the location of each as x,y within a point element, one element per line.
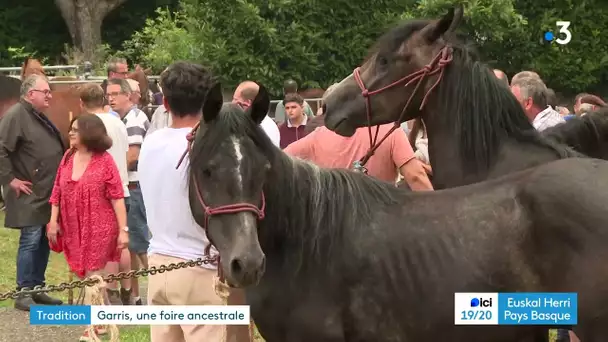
<point>484,112</point>
<point>301,222</point>
<point>582,133</point>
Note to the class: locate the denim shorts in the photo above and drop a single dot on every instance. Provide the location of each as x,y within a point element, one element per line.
<point>136,220</point>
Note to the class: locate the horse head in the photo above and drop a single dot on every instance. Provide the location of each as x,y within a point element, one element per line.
<point>391,84</point>
<point>228,169</point>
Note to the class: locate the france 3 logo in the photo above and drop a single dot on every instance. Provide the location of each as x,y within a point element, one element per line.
<point>475,308</point>
<point>563,36</point>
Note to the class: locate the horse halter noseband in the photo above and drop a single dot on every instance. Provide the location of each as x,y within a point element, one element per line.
<point>222,209</point>
<point>435,66</point>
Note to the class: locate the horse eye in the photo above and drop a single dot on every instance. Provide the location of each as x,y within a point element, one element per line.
<point>382,61</point>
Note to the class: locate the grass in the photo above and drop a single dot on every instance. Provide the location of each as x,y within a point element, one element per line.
<point>56,273</point>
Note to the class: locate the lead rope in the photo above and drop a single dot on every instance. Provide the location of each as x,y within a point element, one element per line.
<point>94,296</point>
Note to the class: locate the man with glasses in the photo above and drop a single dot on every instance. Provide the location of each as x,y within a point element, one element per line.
<point>117,68</point>
<point>31,149</point>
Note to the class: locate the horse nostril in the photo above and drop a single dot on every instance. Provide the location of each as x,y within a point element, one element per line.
<point>236,266</point>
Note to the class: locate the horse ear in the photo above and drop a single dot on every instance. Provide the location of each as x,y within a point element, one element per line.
<point>447,24</point>
<point>213,103</point>
<point>260,105</point>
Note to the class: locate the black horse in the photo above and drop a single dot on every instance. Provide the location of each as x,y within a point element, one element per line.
<point>587,134</point>
<point>331,255</point>
<point>476,127</point>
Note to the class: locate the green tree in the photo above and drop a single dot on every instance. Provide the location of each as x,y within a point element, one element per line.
<point>313,42</point>
<point>582,64</point>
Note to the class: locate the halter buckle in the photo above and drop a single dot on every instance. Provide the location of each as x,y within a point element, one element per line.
<point>359,167</point>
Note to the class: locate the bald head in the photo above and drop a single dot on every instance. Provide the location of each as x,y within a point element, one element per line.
<point>290,86</point>
<point>501,76</point>
<point>245,93</point>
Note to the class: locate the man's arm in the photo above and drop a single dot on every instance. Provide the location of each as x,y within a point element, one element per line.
<point>412,169</point>
<point>133,157</point>
<point>10,133</point>
<point>415,175</point>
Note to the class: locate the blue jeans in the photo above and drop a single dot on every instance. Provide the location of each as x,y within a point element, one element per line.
<point>136,220</point>
<point>32,256</point>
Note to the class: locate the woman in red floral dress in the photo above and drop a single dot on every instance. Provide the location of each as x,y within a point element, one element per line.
<point>88,209</point>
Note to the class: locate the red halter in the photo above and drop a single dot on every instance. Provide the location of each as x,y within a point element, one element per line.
<point>437,65</point>
<point>222,209</point>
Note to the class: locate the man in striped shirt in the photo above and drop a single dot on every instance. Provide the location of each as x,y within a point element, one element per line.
<point>119,96</point>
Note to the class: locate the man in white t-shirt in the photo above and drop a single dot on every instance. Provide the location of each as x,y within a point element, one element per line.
<point>92,101</point>
<point>176,236</point>
<point>243,96</point>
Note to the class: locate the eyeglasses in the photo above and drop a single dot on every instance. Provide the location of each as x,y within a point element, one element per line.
<point>46,92</point>
<point>73,130</point>
<point>114,94</point>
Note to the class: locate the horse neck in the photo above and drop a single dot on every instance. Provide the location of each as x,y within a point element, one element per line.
<point>308,209</point>
<point>444,154</point>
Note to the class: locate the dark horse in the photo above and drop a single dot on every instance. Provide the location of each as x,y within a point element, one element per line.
<point>476,127</point>
<point>587,134</point>
<point>330,255</point>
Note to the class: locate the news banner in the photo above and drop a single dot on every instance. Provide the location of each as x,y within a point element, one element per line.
<point>521,308</point>
<point>139,315</point>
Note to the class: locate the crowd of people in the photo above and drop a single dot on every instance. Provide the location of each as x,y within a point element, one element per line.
<point>113,199</point>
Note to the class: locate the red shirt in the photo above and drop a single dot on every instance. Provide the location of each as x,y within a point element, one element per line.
<point>328,149</point>
<point>290,134</point>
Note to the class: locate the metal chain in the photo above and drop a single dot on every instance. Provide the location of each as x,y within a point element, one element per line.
<point>14,294</point>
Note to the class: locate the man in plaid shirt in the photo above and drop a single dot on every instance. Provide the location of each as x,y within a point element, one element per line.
<point>533,95</point>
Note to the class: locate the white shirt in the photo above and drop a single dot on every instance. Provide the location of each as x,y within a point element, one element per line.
<point>120,145</point>
<point>160,119</point>
<point>165,193</point>
<point>137,125</point>
<point>547,118</point>
<point>272,130</point>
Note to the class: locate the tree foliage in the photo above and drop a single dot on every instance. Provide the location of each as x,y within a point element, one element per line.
<point>509,34</point>
<point>35,28</point>
<point>318,43</point>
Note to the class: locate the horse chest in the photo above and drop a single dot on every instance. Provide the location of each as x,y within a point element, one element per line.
<point>295,314</point>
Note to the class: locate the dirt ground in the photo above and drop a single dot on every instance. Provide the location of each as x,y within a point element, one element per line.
<point>15,326</point>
